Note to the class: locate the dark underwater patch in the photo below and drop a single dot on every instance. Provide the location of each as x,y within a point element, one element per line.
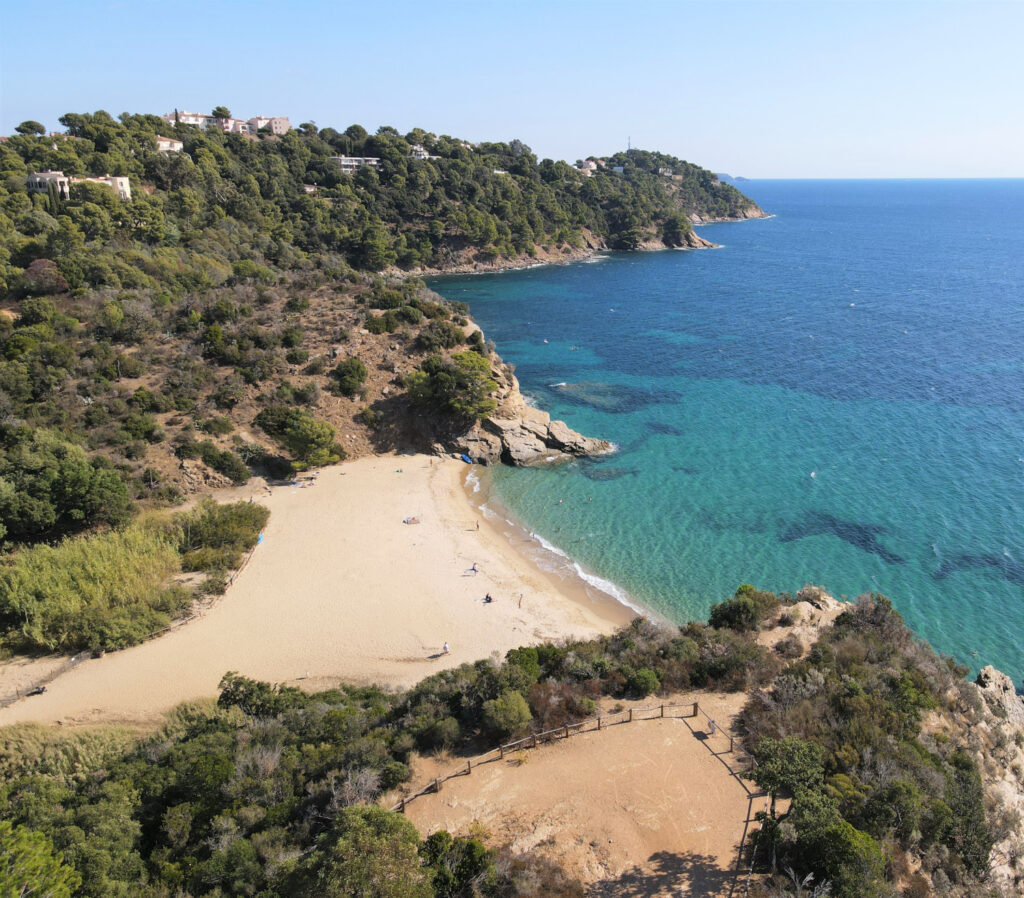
<point>602,474</point>
<point>668,429</point>
<point>614,398</point>
<point>685,469</point>
<point>861,536</point>
<point>1010,569</point>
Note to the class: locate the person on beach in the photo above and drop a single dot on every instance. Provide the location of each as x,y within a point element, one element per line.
<point>475,569</point>
<point>488,599</point>
<point>447,650</point>
<point>477,525</point>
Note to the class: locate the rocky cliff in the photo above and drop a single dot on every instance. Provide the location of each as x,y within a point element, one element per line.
<point>518,434</point>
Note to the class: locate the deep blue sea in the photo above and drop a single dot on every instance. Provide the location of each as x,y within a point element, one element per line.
<point>834,397</point>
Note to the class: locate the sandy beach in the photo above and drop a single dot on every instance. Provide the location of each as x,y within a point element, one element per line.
<point>340,589</point>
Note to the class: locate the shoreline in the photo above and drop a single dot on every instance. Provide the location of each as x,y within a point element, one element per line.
<point>565,572</point>
<point>341,590</point>
<point>579,254</point>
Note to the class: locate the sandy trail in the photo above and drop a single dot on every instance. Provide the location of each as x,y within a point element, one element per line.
<point>647,808</point>
<point>342,589</point>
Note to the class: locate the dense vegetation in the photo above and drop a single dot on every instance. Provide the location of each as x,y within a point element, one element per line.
<point>840,732</point>
<point>129,329</point>
<point>160,346</point>
<point>272,791</point>
<point>233,207</point>
<point>113,589</point>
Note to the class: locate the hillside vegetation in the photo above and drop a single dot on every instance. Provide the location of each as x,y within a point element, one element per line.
<point>273,792</point>
<point>227,319</point>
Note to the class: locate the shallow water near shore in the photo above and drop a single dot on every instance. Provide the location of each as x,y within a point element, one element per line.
<point>836,396</point>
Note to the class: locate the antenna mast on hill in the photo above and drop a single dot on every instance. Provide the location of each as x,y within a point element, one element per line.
<point>629,144</point>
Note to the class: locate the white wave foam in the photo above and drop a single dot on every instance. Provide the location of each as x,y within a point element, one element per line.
<point>473,478</point>
<point>607,587</point>
<point>599,583</point>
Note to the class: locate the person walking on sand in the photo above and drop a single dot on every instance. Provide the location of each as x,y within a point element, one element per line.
<point>447,649</point>
<point>475,569</point>
<point>477,525</point>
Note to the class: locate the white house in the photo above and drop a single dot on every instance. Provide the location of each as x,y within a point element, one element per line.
<point>351,164</point>
<point>417,151</point>
<point>168,145</point>
<point>39,182</point>
<point>118,184</point>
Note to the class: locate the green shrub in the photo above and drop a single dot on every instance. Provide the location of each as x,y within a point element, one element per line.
<point>459,387</point>
<point>506,715</point>
<point>214,537</point>
<point>643,682</point>
<point>440,335</point>
<point>350,375</point>
<point>104,591</point>
<point>308,439</point>
<point>370,417</point>
<point>745,610</point>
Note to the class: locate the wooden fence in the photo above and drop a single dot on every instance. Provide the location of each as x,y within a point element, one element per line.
<point>591,724</point>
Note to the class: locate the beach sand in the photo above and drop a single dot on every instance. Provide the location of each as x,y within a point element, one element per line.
<point>341,589</point>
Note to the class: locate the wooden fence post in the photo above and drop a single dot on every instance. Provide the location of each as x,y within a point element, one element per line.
<point>694,709</point>
<point>662,711</point>
<point>469,767</point>
<point>630,715</point>
<point>401,806</point>
<point>599,723</point>
<point>730,743</point>
<point>437,784</point>
<point>501,752</point>
<point>566,728</point>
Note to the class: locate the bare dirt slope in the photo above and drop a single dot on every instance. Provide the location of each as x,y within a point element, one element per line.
<point>648,808</point>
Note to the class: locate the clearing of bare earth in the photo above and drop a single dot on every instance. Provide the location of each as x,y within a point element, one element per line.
<point>653,807</point>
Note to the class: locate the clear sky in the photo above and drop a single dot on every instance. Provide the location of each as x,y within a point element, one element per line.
<point>761,89</point>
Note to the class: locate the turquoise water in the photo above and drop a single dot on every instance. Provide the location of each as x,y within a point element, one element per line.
<point>836,397</point>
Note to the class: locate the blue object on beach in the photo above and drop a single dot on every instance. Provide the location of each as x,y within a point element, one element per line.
<point>259,539</point>
<point>467,459</point>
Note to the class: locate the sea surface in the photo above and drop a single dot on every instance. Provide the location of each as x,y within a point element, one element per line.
<point>836,396</point>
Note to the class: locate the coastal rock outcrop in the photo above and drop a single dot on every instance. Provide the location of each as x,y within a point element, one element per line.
<point>745,214</point>
<point>519,434</point>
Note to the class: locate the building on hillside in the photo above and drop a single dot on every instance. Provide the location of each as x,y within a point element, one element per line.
<point>587,166</point>
<point>666,172</point>
<point>310,188</point>
<point>39,182</point>
<point>168,145</point>
<point>417,151</point>
<point>618,169</point>
<point>278,124</point>
<point>201,119</point>
<point>351,164</point>
<point>119,184</point>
